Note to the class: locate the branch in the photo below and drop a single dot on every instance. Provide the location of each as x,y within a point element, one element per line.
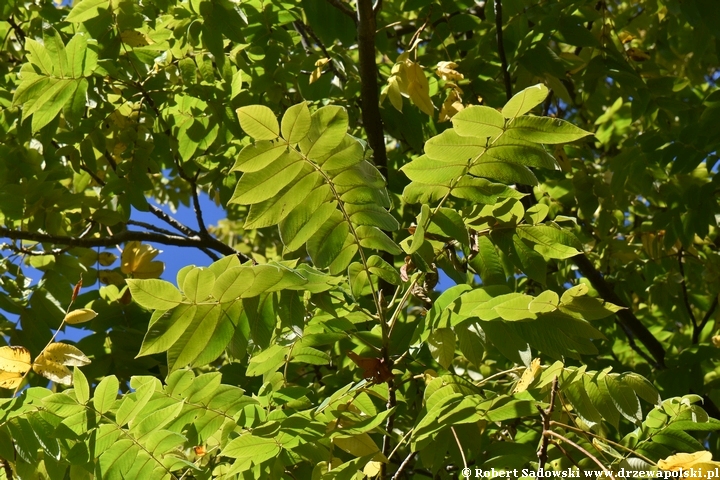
<point>589,455</point>
<point>683,284</point>
<point>501,48</point>
<point>344,9</point>
<point>196,206</point>
<point>118,238</point>
<point>705,320</point>
<point>19,33</point>
<point>403,465</point>
<point>371,118</point>
<point>626,317</point>
<point>546,417</point>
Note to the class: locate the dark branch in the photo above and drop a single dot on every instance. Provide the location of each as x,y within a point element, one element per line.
<point>403,465</point>
<point>19,33</point>
<point>697,331</point>
<point>122,237</point>
<point>196,206</point>
<point>546,417</point>
<point>501,49</point>
<point>683,285</point>
<point>343,8</point>
<point>625,316</point>
<point>180,227</point>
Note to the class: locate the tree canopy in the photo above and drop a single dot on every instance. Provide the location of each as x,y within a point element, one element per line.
<point>553,161</point>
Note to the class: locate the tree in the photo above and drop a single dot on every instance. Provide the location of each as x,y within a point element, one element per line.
<point>554,162</point>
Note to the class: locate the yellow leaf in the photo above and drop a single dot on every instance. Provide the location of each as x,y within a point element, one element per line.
<point>10,379</point>
<point>137,259</point>
<point>358,445</point>
<point>637,55</point>
<point>65,354</point>
<point>14,359</point>
<point>106,258</point>
<point>317,73</point>
<point>393,92</point>
<point>562,158</point>
<point>446,71</point>
<point>684,461</point>
<point>135,38</point>
<point>109,277</point>
<point>528,376</point>
<point>372,469</point>
<point>81,315</point>
<point>716,341</point>
<point>53,371</point>
<point>451,106</point>
<point>625,37</point>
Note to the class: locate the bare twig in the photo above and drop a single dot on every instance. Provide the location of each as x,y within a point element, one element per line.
<point>460,447</point>
<point>697,331</point>
<point>118,238</point>
<point>19,33</point>
<point>546,416</point>
<point>683,284</point>
<point>342,6</point>
<point>589,455</point>
<point>403,465</point>
<point>501,49</point>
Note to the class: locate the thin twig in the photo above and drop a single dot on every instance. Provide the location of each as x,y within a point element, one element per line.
<point>462,453</point>
<point>705,320</point>
<point>683,284</point>
<point>614,444</point>
<point>501,49</point>
<point>589,455</point>
<point>403,465</point>
<point>344,9</point>
<point>546,416</point>
<point>19,33</point>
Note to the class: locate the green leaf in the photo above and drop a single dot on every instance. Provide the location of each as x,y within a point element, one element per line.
<point>105,394</point>
<point>76,51</point>
<point>442,346</point>
<point>544,130</point>
<point>472,341</point>
<point>374,238</point>
<point>259,122</point>
<point>256,187</point>
<point>309,355</point>
<point>525,100</point>
<point>296,123</point>
<point>86,10</point>
<point>39,56</point>
<point>481,190</point>
<point>349,153</point>
<point>536,214</point>
<point>167,329</point>
<point>624,398</point>
<point>154,294</point>
<point>249,446</point>
<point>81,386</point>
<point>328,241</point>
<point>504,172</point>
<point>132,405</point>
<point>487,263</point>
<point>198,284</point>
<point>454,149</point>
<point>195,338</point>
<point>273,210</point>
<point>427,171</point>
<point>479,121</point>
<point>549,241</point>
<point>383,269</point>
<point>55,48</point>
<point>258,156</point>
<point>547,301</point>
<point>305,220</point>
<point>327,129</point>
<point>267,361</point>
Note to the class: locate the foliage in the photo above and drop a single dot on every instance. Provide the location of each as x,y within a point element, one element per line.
<point>363,152</point>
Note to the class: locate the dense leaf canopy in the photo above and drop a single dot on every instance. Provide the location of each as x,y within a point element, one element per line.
<point>553,163</point>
